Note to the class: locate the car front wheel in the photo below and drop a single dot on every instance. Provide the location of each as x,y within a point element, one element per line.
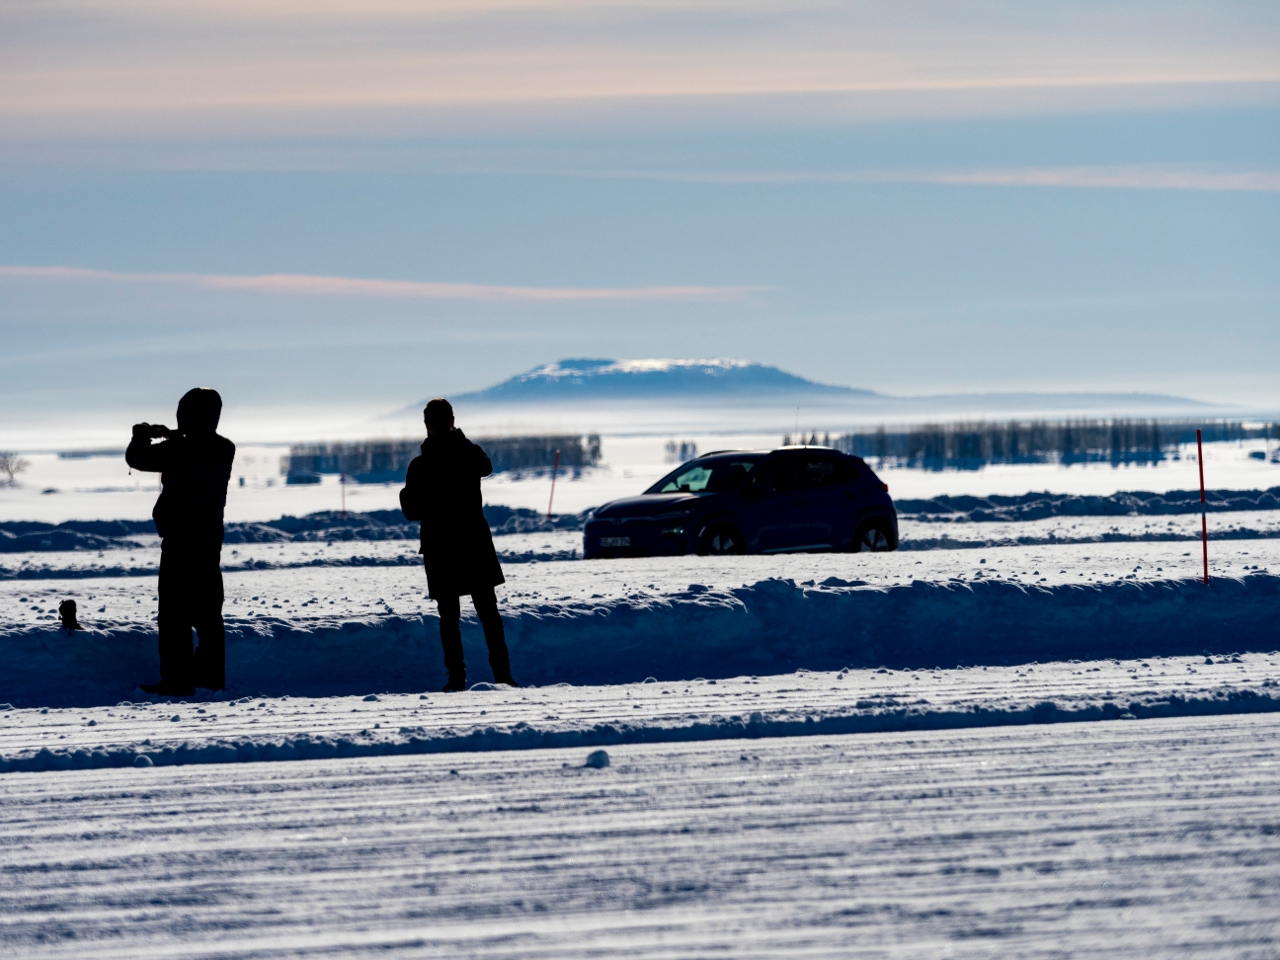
<point>721,541</point>
<point>872,537</point>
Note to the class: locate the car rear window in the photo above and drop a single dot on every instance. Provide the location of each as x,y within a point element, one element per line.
<point>706,476</point>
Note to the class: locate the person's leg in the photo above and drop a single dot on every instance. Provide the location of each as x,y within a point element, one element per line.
<point>209,663</point>
<point>450,612</point>
<point>495,637</point>
<point>174,619</point>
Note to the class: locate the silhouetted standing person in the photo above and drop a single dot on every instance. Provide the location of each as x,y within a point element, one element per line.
<point>442,489</point>
<point>194,464</point>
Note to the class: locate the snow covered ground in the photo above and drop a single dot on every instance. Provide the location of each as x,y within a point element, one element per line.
<point>836,755</point>
<point>102,488</point>
<point>567,545</point>
<point>1137,839</point>
<point>314,619</point>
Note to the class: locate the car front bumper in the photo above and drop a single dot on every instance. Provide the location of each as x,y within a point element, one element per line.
<point>637,538</point>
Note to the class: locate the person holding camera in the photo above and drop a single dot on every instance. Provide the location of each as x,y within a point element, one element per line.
<point>194,463</point>
<point>442,489</point>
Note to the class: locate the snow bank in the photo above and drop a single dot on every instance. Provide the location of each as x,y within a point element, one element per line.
<point>20,536</point>
<point>771,626</point>
<point>804,703</point>
<point>1038,506</point>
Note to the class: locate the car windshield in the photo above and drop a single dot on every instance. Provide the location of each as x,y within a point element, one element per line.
<point>706,476</point>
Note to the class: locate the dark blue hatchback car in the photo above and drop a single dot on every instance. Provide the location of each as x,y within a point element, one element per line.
<point>750,501</point>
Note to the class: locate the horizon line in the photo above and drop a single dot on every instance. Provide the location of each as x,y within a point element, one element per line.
<point>1116,176</point>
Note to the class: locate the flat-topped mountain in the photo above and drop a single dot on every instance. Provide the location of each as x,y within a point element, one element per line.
<point>726,394</point>
<point>568,380</point>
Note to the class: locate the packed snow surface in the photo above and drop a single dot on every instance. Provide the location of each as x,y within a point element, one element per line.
<point>216,729</point>
<point>315,619</point>
<point>1138,839</point>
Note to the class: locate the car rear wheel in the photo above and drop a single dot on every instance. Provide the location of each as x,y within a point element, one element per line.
<point>722,541</point>
<point>872,537</point>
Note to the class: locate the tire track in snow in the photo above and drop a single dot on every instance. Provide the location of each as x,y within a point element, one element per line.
<point>1147,839</point>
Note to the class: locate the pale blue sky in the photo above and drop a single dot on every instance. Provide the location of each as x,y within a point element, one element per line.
<point>965,197</point>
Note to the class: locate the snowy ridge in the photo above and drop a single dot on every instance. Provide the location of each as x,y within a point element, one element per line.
<point>498,718</point>
<point>1039,506</point>
<point>144,561</point>
<point>770,626</point>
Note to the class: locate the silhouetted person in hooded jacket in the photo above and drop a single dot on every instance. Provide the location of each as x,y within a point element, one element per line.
<point>442,489</point>
<point>194,464</point>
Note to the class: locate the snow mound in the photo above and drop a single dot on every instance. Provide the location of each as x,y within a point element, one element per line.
<point>771,626</point>
<point>597,759</point>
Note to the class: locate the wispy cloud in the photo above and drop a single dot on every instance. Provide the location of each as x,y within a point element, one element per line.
<point>352,68</point>
<point>1129,177</point>
<point>312,285</point>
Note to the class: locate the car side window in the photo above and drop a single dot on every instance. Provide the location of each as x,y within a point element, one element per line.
<point>709,476</point>
<point>819,471</point>
<point>776,476</point>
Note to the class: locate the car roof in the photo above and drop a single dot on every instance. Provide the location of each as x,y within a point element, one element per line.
<point>763,453</point>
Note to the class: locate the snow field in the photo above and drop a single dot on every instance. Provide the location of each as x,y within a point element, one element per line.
<point>334,630</point>
<point>1146,839</point>
<point>216,730</point>
<point>1227,528</point>
<point>103,487</point>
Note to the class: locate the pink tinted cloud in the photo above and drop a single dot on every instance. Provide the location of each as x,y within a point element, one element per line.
<point>312,285</point>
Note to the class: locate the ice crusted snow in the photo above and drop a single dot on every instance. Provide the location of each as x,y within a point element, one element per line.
<point>490,717</point>
<point>1141,839</point>
<point>337,629</point>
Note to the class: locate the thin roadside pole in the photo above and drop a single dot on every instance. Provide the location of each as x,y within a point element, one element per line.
<point>1204,523</point>
<point>552,499</point>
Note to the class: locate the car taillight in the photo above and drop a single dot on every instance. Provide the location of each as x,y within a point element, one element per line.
<point>884,486</point>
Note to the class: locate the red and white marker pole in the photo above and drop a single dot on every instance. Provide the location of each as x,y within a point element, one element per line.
<point>1204,523</point>
<point>550,500</point>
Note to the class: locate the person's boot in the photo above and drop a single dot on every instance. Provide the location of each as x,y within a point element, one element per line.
<point>457,683</point>
<point>506,679</point>
<point>209,670</point>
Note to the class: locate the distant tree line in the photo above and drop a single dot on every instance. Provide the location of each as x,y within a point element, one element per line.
<point>681,452</point>
<point>386,461</point>
<point>970,445</point>
<point>799,440</point>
